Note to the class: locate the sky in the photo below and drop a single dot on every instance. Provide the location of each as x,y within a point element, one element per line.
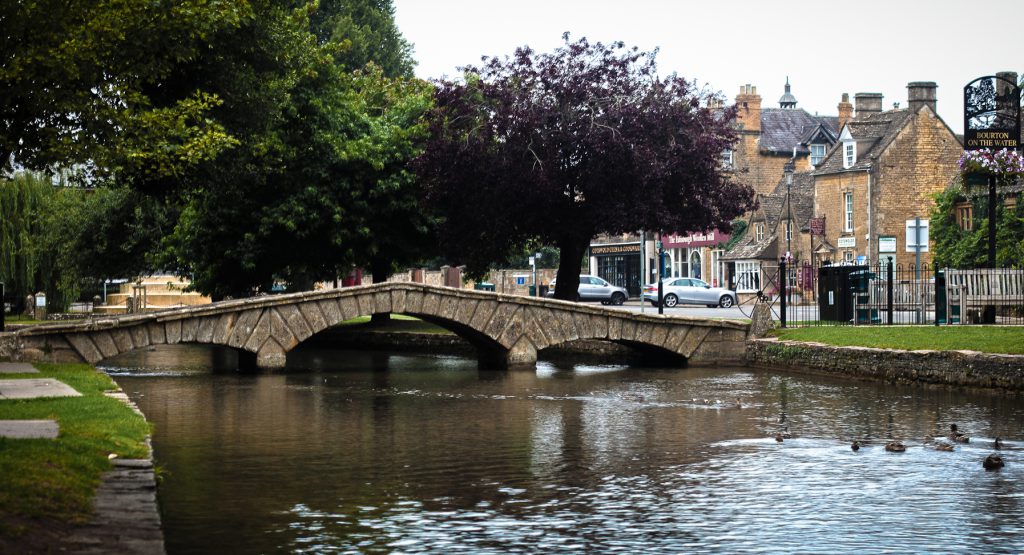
<point>825,48</point>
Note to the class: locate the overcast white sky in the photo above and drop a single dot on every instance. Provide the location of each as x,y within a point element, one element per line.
<point>826,48</point>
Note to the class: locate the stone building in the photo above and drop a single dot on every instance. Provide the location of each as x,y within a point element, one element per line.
<point>875,187</point>
<point>779,225</point>
<point>770,138</point>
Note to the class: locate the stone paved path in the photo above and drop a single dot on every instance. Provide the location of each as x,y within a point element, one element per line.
<point>17,368</point>
<point>29,429</point>
<point>34,388</point>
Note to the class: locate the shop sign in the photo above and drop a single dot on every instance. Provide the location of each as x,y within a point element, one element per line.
<point>817,226</point>
<point>628,248</point>
<point>847,242</point>
<point>887,244</point>
<point>692,240</point>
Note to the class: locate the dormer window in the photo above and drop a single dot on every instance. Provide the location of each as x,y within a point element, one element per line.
<point>759,232</point>
<point>849,148</point>
<point>817,154</point>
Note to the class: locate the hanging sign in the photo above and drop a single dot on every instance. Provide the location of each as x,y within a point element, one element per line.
<point>991,114</point>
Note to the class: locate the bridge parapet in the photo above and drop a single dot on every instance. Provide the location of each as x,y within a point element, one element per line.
<point>507,327</point>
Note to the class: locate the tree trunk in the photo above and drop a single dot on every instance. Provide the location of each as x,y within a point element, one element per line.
<point>569,265</point>
<point>380,269</point>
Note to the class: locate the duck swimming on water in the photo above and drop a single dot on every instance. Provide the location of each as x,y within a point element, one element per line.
<point>993,462</point>
<point>855,446</point>
<point>895,447</point>
<point>958,436</point>
<point>997,444</point>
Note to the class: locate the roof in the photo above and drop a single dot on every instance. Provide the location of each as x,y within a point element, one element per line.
<point>873,133</point>
<point>772,210</point>
<point>785,128</point>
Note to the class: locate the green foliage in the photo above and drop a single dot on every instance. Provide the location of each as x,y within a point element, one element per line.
<point>79,81</point>
<point>958,248</point>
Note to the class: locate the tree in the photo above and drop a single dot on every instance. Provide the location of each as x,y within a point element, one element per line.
<point>559,147</point>
<point>76,77</point>
<point>956,247</point>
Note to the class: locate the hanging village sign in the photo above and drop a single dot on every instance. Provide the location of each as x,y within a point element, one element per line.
<point>991,114</point>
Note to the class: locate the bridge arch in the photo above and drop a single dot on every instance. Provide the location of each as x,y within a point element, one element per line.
<point>507,329</point>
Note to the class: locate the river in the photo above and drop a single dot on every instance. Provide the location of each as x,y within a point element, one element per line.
<point>370,452</point>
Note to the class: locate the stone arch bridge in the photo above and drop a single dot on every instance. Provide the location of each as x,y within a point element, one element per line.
<point>505,329</point>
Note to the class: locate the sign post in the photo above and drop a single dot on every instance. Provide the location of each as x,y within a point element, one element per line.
<point>992,121</point>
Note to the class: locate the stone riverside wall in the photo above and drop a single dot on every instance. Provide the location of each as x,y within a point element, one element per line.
<point>505,328</point>
<point>957,368</point>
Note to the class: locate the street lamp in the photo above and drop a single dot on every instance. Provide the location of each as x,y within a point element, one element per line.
<point>788,171</point>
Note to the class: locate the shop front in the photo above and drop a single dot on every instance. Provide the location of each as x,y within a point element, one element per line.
<point>696,255</point>
<point>619,264</point>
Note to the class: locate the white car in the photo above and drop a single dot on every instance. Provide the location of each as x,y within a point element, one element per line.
<point>690,291</point>
<point>593,288</point>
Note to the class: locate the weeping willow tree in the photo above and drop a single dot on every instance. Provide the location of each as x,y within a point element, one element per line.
<point>28,261</point>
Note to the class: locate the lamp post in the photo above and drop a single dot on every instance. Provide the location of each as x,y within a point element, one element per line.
<point>788,171</point>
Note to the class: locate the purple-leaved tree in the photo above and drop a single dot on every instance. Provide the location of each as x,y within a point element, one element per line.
<point>556,148</point>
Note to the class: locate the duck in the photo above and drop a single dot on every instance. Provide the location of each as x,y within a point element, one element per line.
<point>943,446</point>
<point>778,437</point>
<point>855,446</point>
<point>993,462</point>
<point>958,436</point>
<point>997,444</point>
<point>895,447</point>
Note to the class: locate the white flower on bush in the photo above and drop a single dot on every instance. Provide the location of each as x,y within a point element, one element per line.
<point>985,161</point>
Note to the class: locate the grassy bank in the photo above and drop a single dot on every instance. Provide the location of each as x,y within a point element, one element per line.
<point>46,485</point>
<point>987,339</point>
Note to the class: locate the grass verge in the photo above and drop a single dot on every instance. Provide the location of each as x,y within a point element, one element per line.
<point>48,484</point>
<point>399,323</point>
<point>986,339</point>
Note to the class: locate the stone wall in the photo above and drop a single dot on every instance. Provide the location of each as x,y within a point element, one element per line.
<point>920,162</point>
<point>958,368</point>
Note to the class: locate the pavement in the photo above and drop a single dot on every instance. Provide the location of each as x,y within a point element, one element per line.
<point>29,429</point>
<point>34,388</point>
<point>17,368</point>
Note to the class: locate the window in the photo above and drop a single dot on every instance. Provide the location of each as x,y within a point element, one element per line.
<point>727,158</point>
<point>849,154</point>
<point>789,231</point>
<point>965,216</point>
<point>759,232</point>
<point>848,211</point>
<point>848,257</point>
<point>748,277</point>
<point>817,154</point>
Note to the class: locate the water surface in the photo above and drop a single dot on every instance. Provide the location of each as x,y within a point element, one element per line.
<point>356,452</point>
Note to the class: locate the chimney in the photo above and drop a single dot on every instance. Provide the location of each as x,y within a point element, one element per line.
<point>921,93</point>
<point>845,111</point>
<point>748,104</point>
<point>867,103</point>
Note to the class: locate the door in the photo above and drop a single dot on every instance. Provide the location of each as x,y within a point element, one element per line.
<point>702,292</point>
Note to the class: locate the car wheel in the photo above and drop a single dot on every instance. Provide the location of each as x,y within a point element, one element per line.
<point>671,300</point>
<point>725,301</point>
<point>618,299</point>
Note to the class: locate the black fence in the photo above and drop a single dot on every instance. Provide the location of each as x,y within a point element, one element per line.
<point>804,295</point>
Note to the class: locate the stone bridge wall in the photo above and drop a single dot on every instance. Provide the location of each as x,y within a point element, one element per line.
<point>503,328</point>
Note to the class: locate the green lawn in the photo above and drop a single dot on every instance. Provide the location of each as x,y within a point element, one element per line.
<point>47,483</point>
<point>987,339</point>
<point>398,323</point>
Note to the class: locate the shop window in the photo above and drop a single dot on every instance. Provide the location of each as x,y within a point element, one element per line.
<point>748,277</point>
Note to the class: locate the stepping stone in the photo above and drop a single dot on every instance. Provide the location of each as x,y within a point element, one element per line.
<point>17,368</point>
<point>35,388</point>
<point>29,429</point>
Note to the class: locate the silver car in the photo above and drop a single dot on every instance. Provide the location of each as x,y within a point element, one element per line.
<point>690,291</point>
<point>593,288</point>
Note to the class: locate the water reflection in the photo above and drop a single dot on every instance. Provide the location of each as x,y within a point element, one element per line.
<point>376,452</point>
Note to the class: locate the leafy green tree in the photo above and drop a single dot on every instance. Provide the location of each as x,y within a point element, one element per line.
<point>77,77</point>
<point>960,248</point>
<point>559,147</point>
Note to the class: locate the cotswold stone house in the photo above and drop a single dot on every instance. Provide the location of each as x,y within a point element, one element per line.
<point>770,138</point>
<point>881,176</point>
